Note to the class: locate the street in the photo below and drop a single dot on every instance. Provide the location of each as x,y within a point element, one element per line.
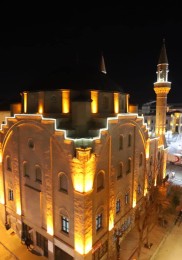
<point>171,247</point>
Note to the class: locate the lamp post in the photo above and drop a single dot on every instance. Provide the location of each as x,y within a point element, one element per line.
<point>117,234</point>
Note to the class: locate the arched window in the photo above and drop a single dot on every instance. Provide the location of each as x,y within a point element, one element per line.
<point>38,174</point>
<point>8,163</point>
<point>25,169</point>
<point>128,166</point>
<point>120,171</point>
<point>63,183</point>
<point>100,181</point>
<point>121,142</point>
<point>141,160</point>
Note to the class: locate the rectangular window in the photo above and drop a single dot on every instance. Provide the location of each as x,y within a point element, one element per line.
<point>99,222</point>
<point>25,169</point>
<point>65,224</point>
<point>121,142</point>
<point>129,140</point>
<point>118,206</point>
<point>126,198</point>
<point>10,194</point>
<point>120,171</point>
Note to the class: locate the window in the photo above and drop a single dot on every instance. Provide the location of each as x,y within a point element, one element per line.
<point>25,169</point>
<point>10,194</point>
<point>151,160</point>
<point>159,156</point>
<point>121,142</point>
<point>100,181</point>
<point>8,163</point>
<point>30,143</point>
<point>101,251</point>
<point>139,189</point>
<point>120,171</point>
<point>118,205</point>
<point>65,224</point>
<point>99,221</point>
<point>127,198</point>
<point>129,140</point>
<point>63,184</point>
<point>38,174</point>
<point>128,166</point>
<point>141,160</point>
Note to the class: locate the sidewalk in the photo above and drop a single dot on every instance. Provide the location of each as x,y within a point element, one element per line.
<point>11,242</point>
<point>157,235</point>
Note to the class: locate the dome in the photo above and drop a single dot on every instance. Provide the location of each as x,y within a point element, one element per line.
<point>78,78</point>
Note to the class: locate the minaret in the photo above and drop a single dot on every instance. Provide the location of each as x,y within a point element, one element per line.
<point>161,88</point>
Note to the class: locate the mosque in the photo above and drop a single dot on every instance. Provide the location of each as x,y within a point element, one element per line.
<point>75,163</point>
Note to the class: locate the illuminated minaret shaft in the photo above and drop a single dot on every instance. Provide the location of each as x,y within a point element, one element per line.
<point>161,88</point>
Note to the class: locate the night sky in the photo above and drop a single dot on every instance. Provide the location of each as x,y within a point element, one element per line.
<point>32,44</point>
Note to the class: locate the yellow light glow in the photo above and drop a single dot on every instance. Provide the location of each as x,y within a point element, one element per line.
<point>145,191</point>
<point>155,182</point>
<point>147,149</point>
<point>88,183</point>
<point>111,221</point>
<point>40,110</point>
<point>79,182</point>
<point>50,230</point>
<point>116,102</point>
<point>18,210</point>
<point>88,244</point>
<point>25,101</point>
<point>94,104</point>
<point>65,101</point>
<point>1,156</point>
<point>134,203</point>
<point>1,196</point>
<point>84,169</point>
<point>79,247</point>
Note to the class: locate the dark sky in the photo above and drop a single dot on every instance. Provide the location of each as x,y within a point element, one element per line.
<point>33,43</point>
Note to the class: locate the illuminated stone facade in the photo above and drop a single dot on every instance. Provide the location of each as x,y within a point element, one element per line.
<point>71,175</point>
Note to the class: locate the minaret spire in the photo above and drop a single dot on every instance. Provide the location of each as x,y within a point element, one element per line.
<point>161,88</point>
<point>163,54</point>
<point>102,64</point>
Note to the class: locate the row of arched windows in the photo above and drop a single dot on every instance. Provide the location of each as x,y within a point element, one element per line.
<point>38,172</point>
<point>121,141</point>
